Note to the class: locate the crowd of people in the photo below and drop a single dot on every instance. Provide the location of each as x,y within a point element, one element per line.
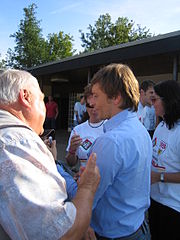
<point>127,184</point>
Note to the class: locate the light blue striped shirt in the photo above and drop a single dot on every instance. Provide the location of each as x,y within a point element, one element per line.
<point>124,154</point>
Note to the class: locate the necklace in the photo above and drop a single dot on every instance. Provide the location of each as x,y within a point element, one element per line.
<point>96,126</point>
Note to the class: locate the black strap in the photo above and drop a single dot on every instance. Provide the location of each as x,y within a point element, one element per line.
<point>15,125</point>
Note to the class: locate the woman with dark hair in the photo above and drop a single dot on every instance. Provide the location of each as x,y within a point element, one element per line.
<point>164,213</point>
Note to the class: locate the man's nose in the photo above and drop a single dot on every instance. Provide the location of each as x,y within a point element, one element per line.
<point>92,103</point>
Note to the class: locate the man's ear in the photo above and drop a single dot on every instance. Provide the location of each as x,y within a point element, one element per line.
<point>142,92</point>
<point>117,100</point>
<point>25,98</point>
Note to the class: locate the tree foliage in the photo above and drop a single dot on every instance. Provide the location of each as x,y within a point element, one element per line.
<point>31,48</point>
<point>59,46</point>
<point>104,33</point>
<point>2,63</point>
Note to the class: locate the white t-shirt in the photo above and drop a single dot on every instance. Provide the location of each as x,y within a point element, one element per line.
<point>150,118</point>
<point>141,113</point>
<point>78,107</point>
<point>147,116</point>
<point>166,158</point>
<point>88,132</point>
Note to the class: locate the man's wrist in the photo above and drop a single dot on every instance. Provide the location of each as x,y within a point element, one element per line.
<point>86,190</point>
<point>72,152</point>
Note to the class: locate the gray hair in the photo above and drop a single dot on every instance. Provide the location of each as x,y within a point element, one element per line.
<point>11,82</point>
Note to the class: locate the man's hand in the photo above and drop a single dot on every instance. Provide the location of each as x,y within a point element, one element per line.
<point>52,147</point>
<point>83,200</point>
<point>90,177</point>
<point>75,143</point>
<point>89,235</point>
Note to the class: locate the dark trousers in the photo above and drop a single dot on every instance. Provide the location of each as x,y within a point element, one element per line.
<point>164,222</point>
<point>50,123</point>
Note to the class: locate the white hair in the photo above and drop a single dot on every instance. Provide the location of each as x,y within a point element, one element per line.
<point>11,82</point>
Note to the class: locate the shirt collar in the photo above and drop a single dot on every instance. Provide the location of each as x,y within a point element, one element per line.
<point>8,118</point>
<point>118,119</point>
<point>140,106</point>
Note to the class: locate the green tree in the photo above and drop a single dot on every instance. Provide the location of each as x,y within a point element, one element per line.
<point>59,46</point>
<point>29,41</point>
<point>2,63</point>
<point>31,48</point>
<point>104,33</point>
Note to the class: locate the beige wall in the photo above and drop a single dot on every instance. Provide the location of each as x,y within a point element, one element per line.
<point>157,78</point>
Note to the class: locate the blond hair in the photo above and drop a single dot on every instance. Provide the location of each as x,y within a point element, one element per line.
<point>115,79</point>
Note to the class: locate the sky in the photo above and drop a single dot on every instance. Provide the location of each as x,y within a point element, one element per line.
<point>69,16</point>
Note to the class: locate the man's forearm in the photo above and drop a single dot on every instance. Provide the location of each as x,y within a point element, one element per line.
<point>83,203</point>
<point>57,113</point>
<point>87,186</point>
<point>71,158</point>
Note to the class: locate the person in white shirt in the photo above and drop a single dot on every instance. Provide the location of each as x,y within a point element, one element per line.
<point>146,113</point>
<point>83,136</point>
<point>164,213</point>
<point>79,110</point>
<point>33,194</point>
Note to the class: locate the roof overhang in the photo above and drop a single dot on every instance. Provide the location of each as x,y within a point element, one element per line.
<point>155,53</point>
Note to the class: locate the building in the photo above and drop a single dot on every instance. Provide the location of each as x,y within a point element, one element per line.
<point>155,58</point>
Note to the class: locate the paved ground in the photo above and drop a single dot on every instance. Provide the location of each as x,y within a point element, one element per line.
<point>62,137</point>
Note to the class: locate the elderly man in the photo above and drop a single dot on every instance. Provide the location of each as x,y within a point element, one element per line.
<point>32,192</point>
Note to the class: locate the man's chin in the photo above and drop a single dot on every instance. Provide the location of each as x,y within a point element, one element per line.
<point>100,117</point>
<point>41,132</point>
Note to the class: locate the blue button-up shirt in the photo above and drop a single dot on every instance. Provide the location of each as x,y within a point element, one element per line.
<point>71,184</point>
<point>124,154</point>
